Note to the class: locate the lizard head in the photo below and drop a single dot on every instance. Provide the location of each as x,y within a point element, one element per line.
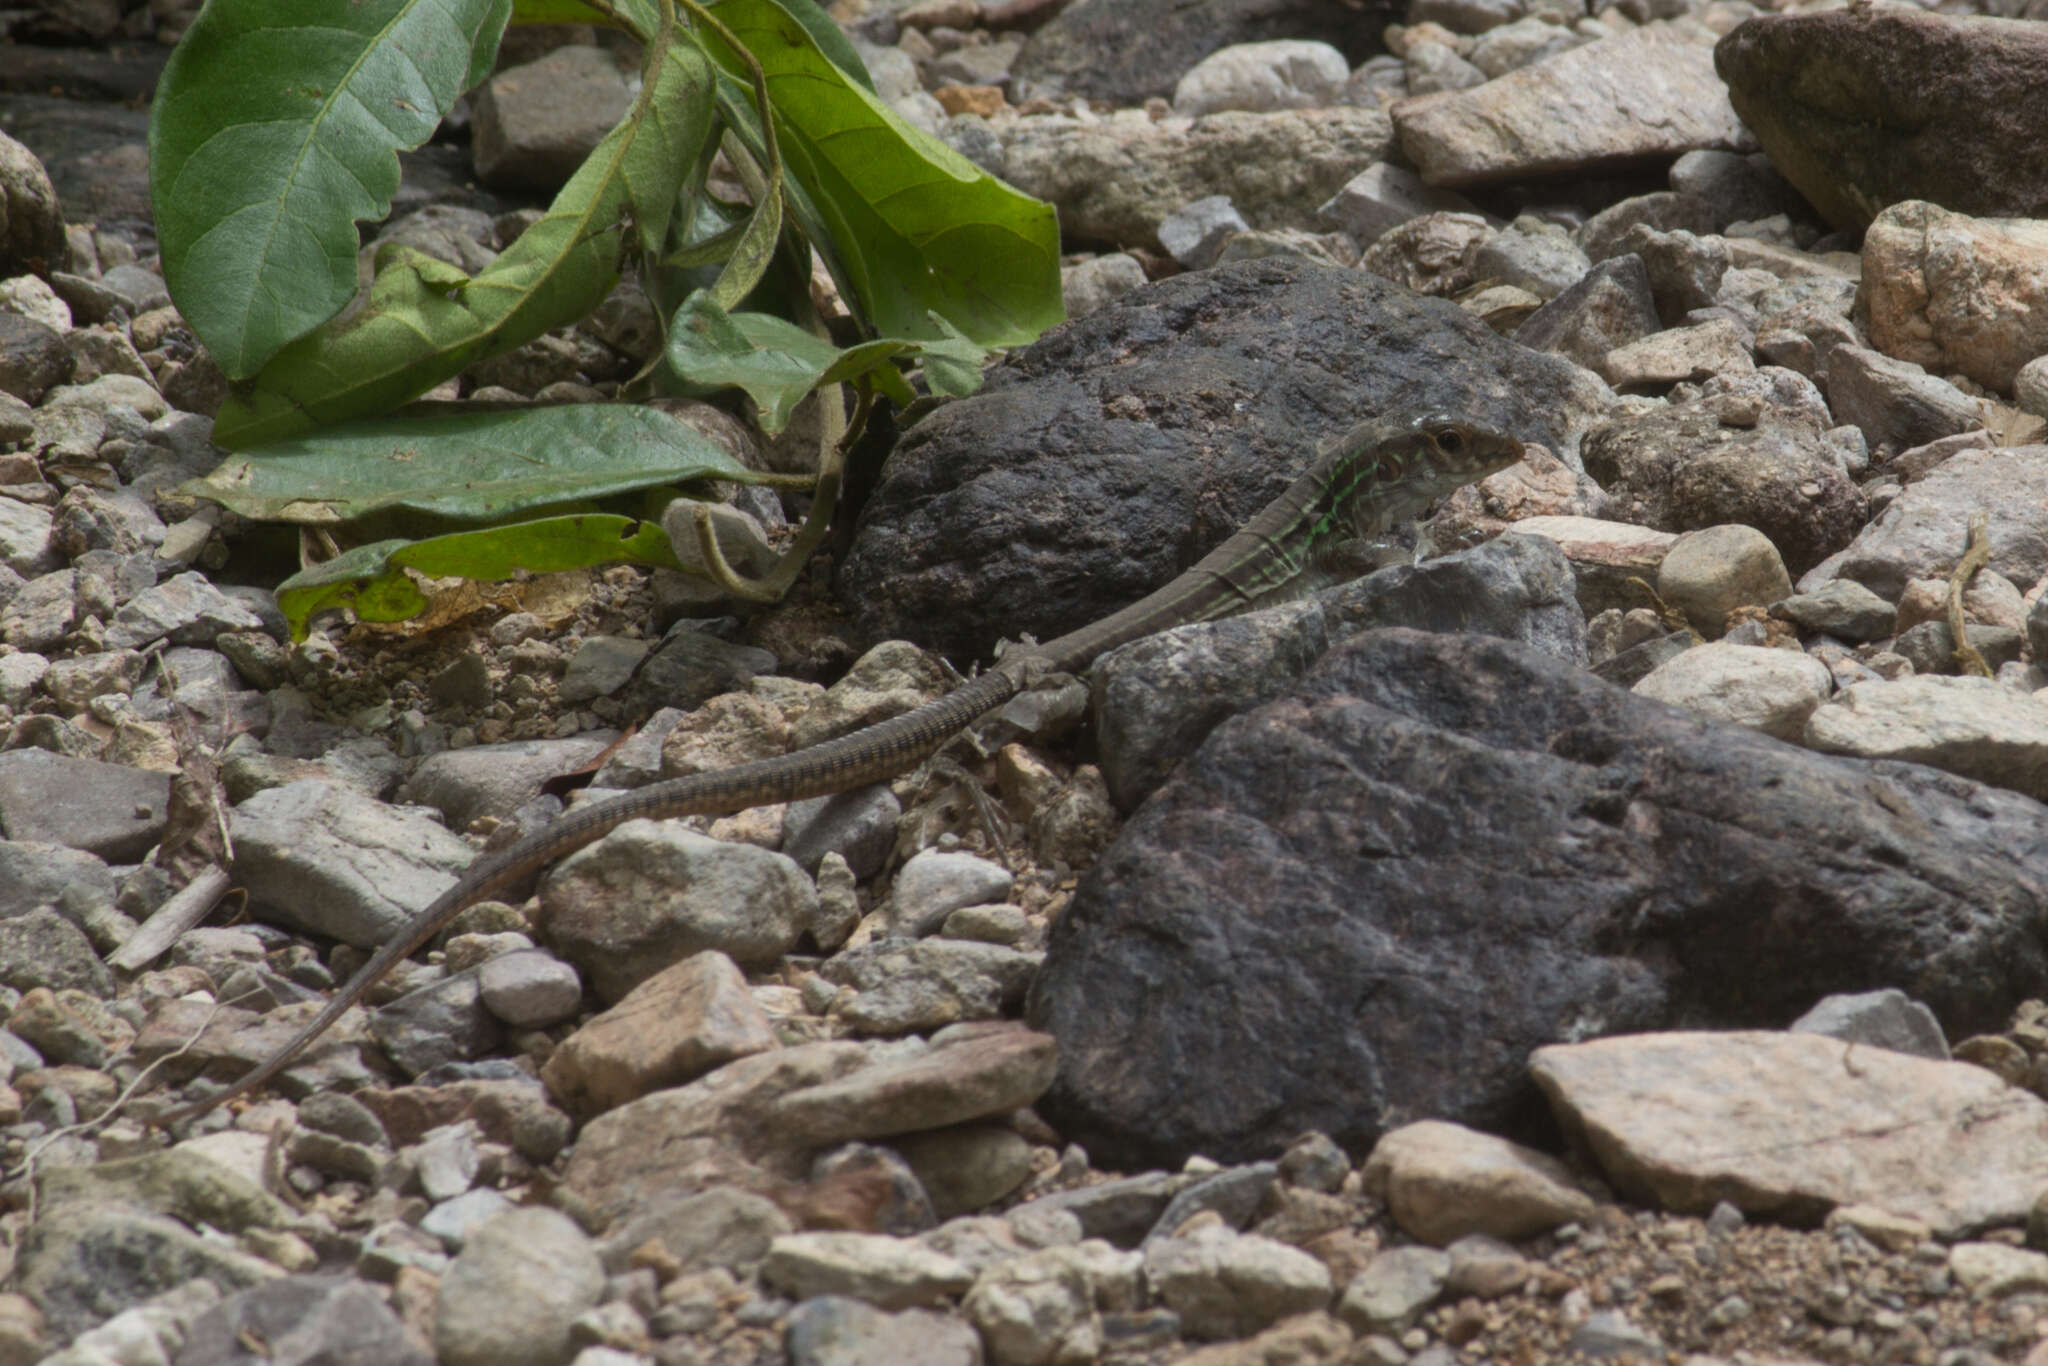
<point>1455,450</point>
<point>1402,465</point>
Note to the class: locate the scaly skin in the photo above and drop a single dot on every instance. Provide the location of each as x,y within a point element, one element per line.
<point>1377,475</point>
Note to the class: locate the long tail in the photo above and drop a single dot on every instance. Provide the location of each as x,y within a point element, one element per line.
<point>871,755</point>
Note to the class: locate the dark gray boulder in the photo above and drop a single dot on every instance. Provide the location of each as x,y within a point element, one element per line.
<point>1104,459</point>
<point>1367,902</point>
<point>1156,698</point>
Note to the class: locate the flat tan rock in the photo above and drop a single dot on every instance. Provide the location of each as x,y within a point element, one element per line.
<point>1594,540</point>
<point>1650,93</point>
<point>1605,556</point>
<point>1976,727</point>
<point>889,1273</point>
<point>1680,353</point>
<point>1989,1270</point>
<point>989,1069</point>
<point>1770,690</point>
<point>1792,1125</point>
<point>677,1025</point>
<point>712,1132</point>
<point>756,1122</point>
<point>1443,1181</point>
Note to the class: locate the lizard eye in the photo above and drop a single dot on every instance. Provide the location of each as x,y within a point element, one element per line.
<point>1449,440</point>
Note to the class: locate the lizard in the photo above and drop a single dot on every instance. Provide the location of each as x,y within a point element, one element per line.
<point>1377,475</point>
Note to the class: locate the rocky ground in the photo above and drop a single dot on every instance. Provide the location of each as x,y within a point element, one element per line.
<point>1653,971</point>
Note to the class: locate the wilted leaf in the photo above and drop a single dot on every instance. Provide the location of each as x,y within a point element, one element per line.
<point>372,581</point>
<point>777,362</point>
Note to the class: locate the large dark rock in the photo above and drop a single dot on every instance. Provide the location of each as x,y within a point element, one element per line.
<point>1104,459</point>
<point>1127,51</point>
<point>1368,902</point>
<point>95,158</point>
<point>1862,107</point>
<point>123,71</point>
<point>1156,698</point>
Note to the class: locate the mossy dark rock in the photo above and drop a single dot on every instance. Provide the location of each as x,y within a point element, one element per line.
<point>1113,453</point>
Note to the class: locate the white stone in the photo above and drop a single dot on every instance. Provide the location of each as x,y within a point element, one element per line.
<point>1892,1232</point>
<point>529,988</point>
<point>242,1151</point>
<point>1571,531</point>
<point>1195,232</point>
<point>934,884</point>
<point>691,893</point>
<point>2030,387</point>
<point>449,1159</point>
<point>19,674</point>
<point>1987,1270</point>
<point>1770,690</point>
<point>1384,196</point>
<point>1231,1285</point>
<point>1715,347</point>
<point>1442,1181</point>
<point>1286,73</point>
<point>124,391</point>
<point>510,1298</point>
<point>1090,284</point>
<point>1035,1310</point>
<point>25,538</point>
<point>31,298</point>
<point>889,1273</point>
<point>1779,1123</point>
<point>134,1337</point>
<point>1976,727</point>
<point>1393,1289</point>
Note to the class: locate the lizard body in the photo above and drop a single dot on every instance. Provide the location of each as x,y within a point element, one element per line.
<point>1377,475</point>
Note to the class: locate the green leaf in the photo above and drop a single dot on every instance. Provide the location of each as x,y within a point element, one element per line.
<point>421,324</point>
<point>830,40</point>
<point>372,581</point>
<point>777,362</point>
<point>953,367</point>
<point>471,466</point>
<point>275,128</point>
<point>916,228</point>
<point>743,121</point>
<point>558,12</point>
<point>754,248</point>
<point>483,47</point>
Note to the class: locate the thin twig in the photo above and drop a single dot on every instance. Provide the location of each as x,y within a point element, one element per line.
<point>1976,554</point>
<point>168,921</point>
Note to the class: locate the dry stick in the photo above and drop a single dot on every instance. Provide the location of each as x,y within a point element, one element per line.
<point>274,1176</point>
<point>170,920</point>
<point>1672,617</point>
<point>1976,554</point>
